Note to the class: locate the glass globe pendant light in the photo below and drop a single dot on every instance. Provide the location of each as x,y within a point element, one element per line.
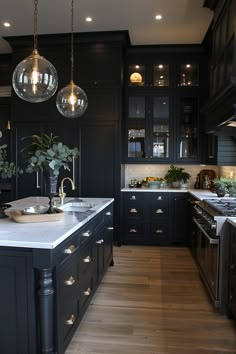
<point>35,78</point>
<point>72,101</point>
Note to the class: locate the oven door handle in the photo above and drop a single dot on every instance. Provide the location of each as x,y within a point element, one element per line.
<point>212,241</point>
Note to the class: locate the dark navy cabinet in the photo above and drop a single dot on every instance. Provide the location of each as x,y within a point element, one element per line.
<point>154,218</point>
<point>232,273</point>
<point>46,292</point>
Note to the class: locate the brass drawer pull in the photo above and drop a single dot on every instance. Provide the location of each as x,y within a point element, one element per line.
<point>159,211</point>
<point>110,228</point>
<point>87,292</point>
<point>133,197</point>
<point>159,231</point>
<point>99,242</point>
<point>133,231</point>
<point>108,213</point>
<point>159,197</point>
<point>71,249</point>
<point>87,233</point>
<point>133,210</point>
<point>70,281</point>
<point>71,320</point>
<point>87,259</point>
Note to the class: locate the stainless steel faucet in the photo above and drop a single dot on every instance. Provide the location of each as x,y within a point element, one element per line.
<point>61,193</point>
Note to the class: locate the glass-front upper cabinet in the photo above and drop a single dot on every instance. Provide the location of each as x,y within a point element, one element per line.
<point>144,75</point>
<point>148,127</point>
<point>188,75</point>
<point>188,129</point>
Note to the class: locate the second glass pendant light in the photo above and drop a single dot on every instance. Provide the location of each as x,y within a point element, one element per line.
<point>72,101</point>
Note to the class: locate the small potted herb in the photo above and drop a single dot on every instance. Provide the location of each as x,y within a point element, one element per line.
<point>175,175</point>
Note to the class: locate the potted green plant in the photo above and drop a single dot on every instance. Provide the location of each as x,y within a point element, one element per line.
<point>224,185</point>
<point>175,175</point>
<point>7,169</point>
<point>49,154</point>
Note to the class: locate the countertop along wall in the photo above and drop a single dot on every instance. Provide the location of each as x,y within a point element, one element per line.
<point>139,171</point>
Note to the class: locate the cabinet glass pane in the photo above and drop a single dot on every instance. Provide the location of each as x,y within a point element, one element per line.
<point>189,75</point>
<point>160,131</point>
<point>137,75</point>
<point>189,142</point>
<point>161,75</point>
<point>137,107</point>
<point>136,139</point>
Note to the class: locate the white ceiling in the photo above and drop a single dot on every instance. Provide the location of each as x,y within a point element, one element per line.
<point>184,21</point>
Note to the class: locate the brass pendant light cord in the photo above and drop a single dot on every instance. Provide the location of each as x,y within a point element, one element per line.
<point>35,23</point>
<point>72,39</point>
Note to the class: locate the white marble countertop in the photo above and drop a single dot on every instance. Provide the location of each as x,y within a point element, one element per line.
<point>45,235</point>
<point>198,193</point>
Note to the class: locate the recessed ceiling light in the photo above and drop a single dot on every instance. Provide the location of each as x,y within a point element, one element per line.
<point>89,19</point>
<point>6,24</point>
<point>158,17</point>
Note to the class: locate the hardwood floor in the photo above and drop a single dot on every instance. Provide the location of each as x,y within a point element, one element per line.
<point>152,301</point>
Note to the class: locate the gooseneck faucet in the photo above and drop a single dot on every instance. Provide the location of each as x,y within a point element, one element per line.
<point>61,193</point>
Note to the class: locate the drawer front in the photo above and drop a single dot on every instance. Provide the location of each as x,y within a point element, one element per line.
<point>86,259</point>
<point>68,281</point>
<point>68,248</point>
<point>159,211</point>
<point>86,233</point>
<point>86,293</point>
<point>159,233</point>
<point>134,212</point>
<point>69,317</point>
<point>134,229</point>
<point>133,197</point>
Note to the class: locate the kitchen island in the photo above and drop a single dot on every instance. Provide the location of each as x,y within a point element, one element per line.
<point>50,272</point>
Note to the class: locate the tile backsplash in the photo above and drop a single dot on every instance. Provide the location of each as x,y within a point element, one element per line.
<point>139,171</point>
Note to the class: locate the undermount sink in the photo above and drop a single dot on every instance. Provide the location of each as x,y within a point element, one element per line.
<point>78,206</point>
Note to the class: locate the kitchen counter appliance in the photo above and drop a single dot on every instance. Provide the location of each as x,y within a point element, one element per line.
<point>211,245</point>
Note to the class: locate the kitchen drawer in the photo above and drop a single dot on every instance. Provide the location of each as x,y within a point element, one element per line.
<point>86,259</point>
<point>159,211</point>
<point>134,229</point>
<point>69,317</point>
<point>159,233</point>
<point>68,280</point>
<point>133,212</point>
<point>86,292</point>
<point>133,197</point>
<point>68,248</point>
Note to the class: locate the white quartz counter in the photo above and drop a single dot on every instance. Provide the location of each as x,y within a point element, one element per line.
<point>45,235</point>
<point>198,193</point>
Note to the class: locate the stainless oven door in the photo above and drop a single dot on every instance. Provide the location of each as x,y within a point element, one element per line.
<point>207,255</point>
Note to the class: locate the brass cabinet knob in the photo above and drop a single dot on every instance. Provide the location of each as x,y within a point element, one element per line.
<point>71,320</point>
<point>87,233</point>
<point>110,228</point>
<point>159,211</point>
<point>133,210</point>
<point>87,292</point>
<point>133,231</point>
<point>69,281</point>
<point>71,249</point>
<point>159,231</point>
<point>87,259</point>
<point>159,197</point>
<point>133,197</point>
<point>108,213</point>
<point>99,242</point>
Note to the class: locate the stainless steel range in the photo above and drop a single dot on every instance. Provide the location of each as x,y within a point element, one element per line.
<point>211,243</point>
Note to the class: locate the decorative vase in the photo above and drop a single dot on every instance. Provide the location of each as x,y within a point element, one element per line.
<point>50,186</point>
<point>175,184</point>
<point>220,191</point>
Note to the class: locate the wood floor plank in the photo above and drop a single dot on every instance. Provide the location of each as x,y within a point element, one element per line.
<point>152,301</point>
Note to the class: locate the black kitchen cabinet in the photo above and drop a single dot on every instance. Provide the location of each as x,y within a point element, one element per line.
<point>17,329</point>
<point>165,89</point>
<point>47,291</point>
<point>154,218</point>
<point>232,273</point>
<point>179,217</point>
